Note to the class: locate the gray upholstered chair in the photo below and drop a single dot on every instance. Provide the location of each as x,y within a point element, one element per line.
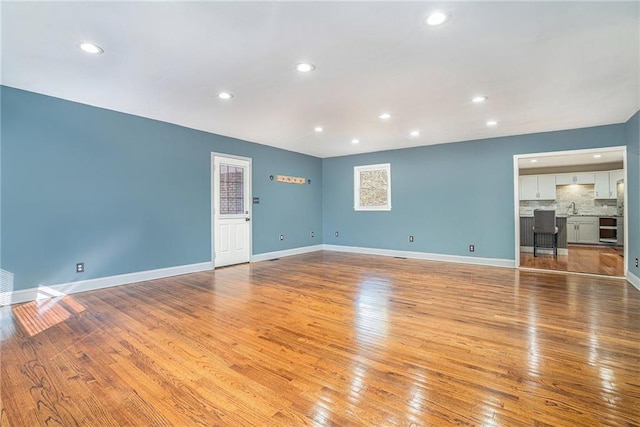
<point>544,222</point>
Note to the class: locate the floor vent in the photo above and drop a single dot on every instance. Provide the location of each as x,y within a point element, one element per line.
<point>275,259</point>
<point>399,257</point>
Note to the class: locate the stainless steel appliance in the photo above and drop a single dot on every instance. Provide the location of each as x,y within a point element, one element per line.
<point>608,230</point>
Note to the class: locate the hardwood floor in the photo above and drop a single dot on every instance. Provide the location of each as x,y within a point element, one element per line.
<point>580,259</point>
<point>330,338</point>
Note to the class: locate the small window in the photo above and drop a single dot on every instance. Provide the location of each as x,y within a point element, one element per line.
<point>372,187</point>
<point>231,190</point>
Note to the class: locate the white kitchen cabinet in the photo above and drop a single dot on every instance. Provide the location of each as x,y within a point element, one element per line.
<point>537,187</point>
<point>602,189</point>
<point>576,178</point>
<point>614,177</point>
<point>547,187</point>
<point>528,187</point>
<point>605,187</point>
<point>583,229</point>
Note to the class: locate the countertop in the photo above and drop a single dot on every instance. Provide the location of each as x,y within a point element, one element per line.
<point>579,215</point>
<point>599,216</point>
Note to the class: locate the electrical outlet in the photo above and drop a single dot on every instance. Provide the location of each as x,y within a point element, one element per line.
<point>472,248</point>
<point>410,239</point>
<point>636,262</point>
<point>282,237</point>
<point>336,234</point>
<point>313,234</point>
<point>80,267</point>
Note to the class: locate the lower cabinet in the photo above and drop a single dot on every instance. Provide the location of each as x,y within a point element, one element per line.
<point>583,229</point>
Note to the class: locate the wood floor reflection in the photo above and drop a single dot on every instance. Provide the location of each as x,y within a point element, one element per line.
<point>329,338</point>
<point>603,260</point>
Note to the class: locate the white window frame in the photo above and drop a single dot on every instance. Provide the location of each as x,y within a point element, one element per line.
<point>356,186</point>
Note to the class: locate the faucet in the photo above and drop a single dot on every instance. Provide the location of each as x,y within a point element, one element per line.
<point>572,206</point>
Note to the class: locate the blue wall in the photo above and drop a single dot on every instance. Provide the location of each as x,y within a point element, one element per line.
<point>633,190</point>
<point>124,194</point>
<point>448,196</point>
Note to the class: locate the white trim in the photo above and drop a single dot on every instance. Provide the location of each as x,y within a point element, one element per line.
<point>626,213</point>
<point>287,252</point>
<point>634,280</point>
<point>31,294</point>
<point>493,262</point>
<point>516,207</point>
<point>569,152</point>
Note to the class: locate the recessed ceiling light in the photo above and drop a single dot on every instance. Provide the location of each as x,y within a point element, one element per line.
<point>384,116</point>
<point>534,161</point>
<point>597,156</point>
<point>304,67</point>
<point>355,141</point>
<point>437,18</point>
<point>492,123</point>
<point>318,129</point>
<point>415,133</point>
<point>91,48</point>
<point>225,95</point>
<point>479,99</point>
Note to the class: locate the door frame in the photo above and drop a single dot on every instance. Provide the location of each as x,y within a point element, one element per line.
<point>516,192</point>
<point>249,208</point>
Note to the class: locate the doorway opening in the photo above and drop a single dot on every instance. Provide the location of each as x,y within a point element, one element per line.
<point>586,190</point>
<point>231,231</point>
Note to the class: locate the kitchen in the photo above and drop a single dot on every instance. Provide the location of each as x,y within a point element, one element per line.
<point>586,191</point>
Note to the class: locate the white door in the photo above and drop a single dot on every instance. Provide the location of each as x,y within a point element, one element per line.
<point>231,210</point>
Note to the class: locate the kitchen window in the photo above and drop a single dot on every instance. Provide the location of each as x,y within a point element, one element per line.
<point>372,187</point>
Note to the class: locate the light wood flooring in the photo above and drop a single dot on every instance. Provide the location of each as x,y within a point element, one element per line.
<point>330,338</point>
<point>603,260</point>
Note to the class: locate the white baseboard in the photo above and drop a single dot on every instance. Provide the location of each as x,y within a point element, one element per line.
<point>494,262</point>
<point>287,252</point>
<point>633,279</point>
<point>31,294</point>
<point>529,249</point>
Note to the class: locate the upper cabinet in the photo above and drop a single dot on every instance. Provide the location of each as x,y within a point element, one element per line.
<point>602,190</point>
<point>547,187</point>
<point>543,187</point>
<point>605,186</point>
<point>537,187</point>
<point>528,187</point>
<point>576,178</point>
<point>614,177</point>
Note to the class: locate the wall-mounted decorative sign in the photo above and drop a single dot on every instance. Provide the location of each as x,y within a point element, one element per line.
<point>291,179</point>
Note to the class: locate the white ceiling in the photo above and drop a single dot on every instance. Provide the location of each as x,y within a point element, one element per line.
<point>544,66</point>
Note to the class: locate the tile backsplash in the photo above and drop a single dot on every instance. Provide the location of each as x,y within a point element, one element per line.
<point>581,194</point>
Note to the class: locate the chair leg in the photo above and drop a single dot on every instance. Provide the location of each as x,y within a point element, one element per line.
<point>534,244</point>
<point>555,245</point>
